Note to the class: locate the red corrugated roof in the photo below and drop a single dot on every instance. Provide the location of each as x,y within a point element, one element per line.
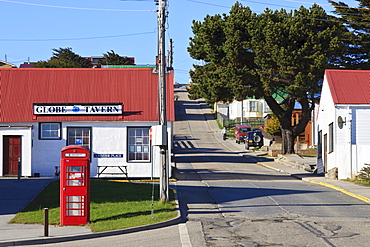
<point>349,86</point>
<point>136,88</point>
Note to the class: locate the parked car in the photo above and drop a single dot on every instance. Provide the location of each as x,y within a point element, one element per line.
<point>240,132</point>
<point>253,139</point>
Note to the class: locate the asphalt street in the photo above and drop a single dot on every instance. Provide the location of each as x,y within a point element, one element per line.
<point>241,203</point>
<point>228,196</point>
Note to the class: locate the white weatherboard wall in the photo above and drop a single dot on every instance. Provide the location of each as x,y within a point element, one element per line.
<point>26,142</point>
<point>42,156</point>
<point>353,140</point>
<point>261,109</point>
<point>325,116</point>
<point>351,144</point>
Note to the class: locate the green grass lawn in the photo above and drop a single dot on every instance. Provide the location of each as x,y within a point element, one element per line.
<point>113,206</point>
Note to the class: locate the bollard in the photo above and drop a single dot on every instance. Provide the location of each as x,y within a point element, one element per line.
<point>46,222</point>
<point>19,169</point>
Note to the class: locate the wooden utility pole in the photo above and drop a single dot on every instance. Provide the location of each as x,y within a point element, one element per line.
<point>164,177</point>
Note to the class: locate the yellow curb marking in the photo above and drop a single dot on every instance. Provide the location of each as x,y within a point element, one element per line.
<point>362,198</point>
<point>140,180</point>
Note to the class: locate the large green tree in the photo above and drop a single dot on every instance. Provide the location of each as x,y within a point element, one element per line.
<point>357,39</point>
<point>273,53</point>
<point>64,58</point>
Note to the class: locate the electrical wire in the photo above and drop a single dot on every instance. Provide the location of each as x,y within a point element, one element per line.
<point>65,7</point>
<point>335,6</point>
<point>101,37</point>
<point>339,21</point>
<point>211,4</point>
<point>277,5</point>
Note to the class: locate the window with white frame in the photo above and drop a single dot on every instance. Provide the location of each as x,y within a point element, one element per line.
<point>266,106</point>
<point>331,138</point>
<point>50,131</point>
<point>252,105</point>
<point>319,145</point>
<point>138,144</point>
<point>80,136</point>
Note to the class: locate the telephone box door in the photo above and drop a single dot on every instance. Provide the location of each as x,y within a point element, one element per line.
<point>75,186</point>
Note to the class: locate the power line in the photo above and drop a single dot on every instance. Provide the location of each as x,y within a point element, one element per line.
<point>277,5</point>
<point>211,4</point>
<point>338,20</point>
<point>101,37</point>
<point>335,6</point>
<point>65,7</point>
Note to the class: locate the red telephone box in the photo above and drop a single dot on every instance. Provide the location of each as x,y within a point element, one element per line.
<point>75,185</point>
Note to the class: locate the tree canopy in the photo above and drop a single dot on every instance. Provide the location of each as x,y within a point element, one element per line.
<point>112,58</point>
<point>357,38</point>
<point>262,55</point>
<point>64,58</point>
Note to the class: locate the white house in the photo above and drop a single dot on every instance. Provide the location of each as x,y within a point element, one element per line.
<point>343,122</point>
<point>248,108</point>
<point>109,111</point>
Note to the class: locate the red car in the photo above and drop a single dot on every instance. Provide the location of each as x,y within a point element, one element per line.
<point>240,132</point>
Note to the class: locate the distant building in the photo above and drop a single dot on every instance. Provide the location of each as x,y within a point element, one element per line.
<point>26,65</point>
<point>4,64</point>
<point>257,113</point>
<point>249,109</point>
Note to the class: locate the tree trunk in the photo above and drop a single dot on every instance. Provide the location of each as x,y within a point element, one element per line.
<point>288,138</point>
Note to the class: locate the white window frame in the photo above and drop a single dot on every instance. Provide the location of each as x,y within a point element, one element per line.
<point>138,145</point>
<point>84,141</point>
<point>50,131</point>
<point>253,107</point>
<point>331,138</point>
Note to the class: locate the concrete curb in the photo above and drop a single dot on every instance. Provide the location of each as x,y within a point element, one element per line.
<point>310,180</point>
<point>362,198</point>
<point>52,240</point>
<point>272,168</point>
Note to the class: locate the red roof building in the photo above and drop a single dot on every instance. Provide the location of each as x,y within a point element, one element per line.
<point>110,111</point>
<point>135,88</point>
<point>343,123</point>
<point>349,86</point>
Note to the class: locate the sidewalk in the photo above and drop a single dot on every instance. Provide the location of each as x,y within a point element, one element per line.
<point>294,165</point>
<point>15,195</point>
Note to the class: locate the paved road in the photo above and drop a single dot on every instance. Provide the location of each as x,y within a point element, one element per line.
<point>239,203</point>
<point>231,201</point>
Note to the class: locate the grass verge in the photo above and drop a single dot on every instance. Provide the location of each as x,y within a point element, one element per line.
<point>113,206</point>
<point>358,181</point>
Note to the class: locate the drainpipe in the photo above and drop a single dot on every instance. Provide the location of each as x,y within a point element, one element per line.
<point>242,115</point>
<point>350,139</point>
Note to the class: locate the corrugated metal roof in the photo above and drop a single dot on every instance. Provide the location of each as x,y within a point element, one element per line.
<point>136,88</point>
<point>349,86</point>
<point>128,66</point>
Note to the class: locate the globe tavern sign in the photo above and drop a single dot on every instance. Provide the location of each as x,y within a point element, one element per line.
<point>77,109</point>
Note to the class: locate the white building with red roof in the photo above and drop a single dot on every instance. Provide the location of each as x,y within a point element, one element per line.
<point>109,111</point>
<point>343,122</point>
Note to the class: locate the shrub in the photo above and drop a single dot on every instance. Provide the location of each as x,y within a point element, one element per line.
<point>365,173</point>
<point>273,126</point>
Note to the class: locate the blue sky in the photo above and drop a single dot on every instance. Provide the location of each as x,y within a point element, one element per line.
<point>32,28</point>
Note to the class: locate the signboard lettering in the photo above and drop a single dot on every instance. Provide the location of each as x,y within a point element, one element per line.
<point>108,155</point>
<point>77,109</point>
